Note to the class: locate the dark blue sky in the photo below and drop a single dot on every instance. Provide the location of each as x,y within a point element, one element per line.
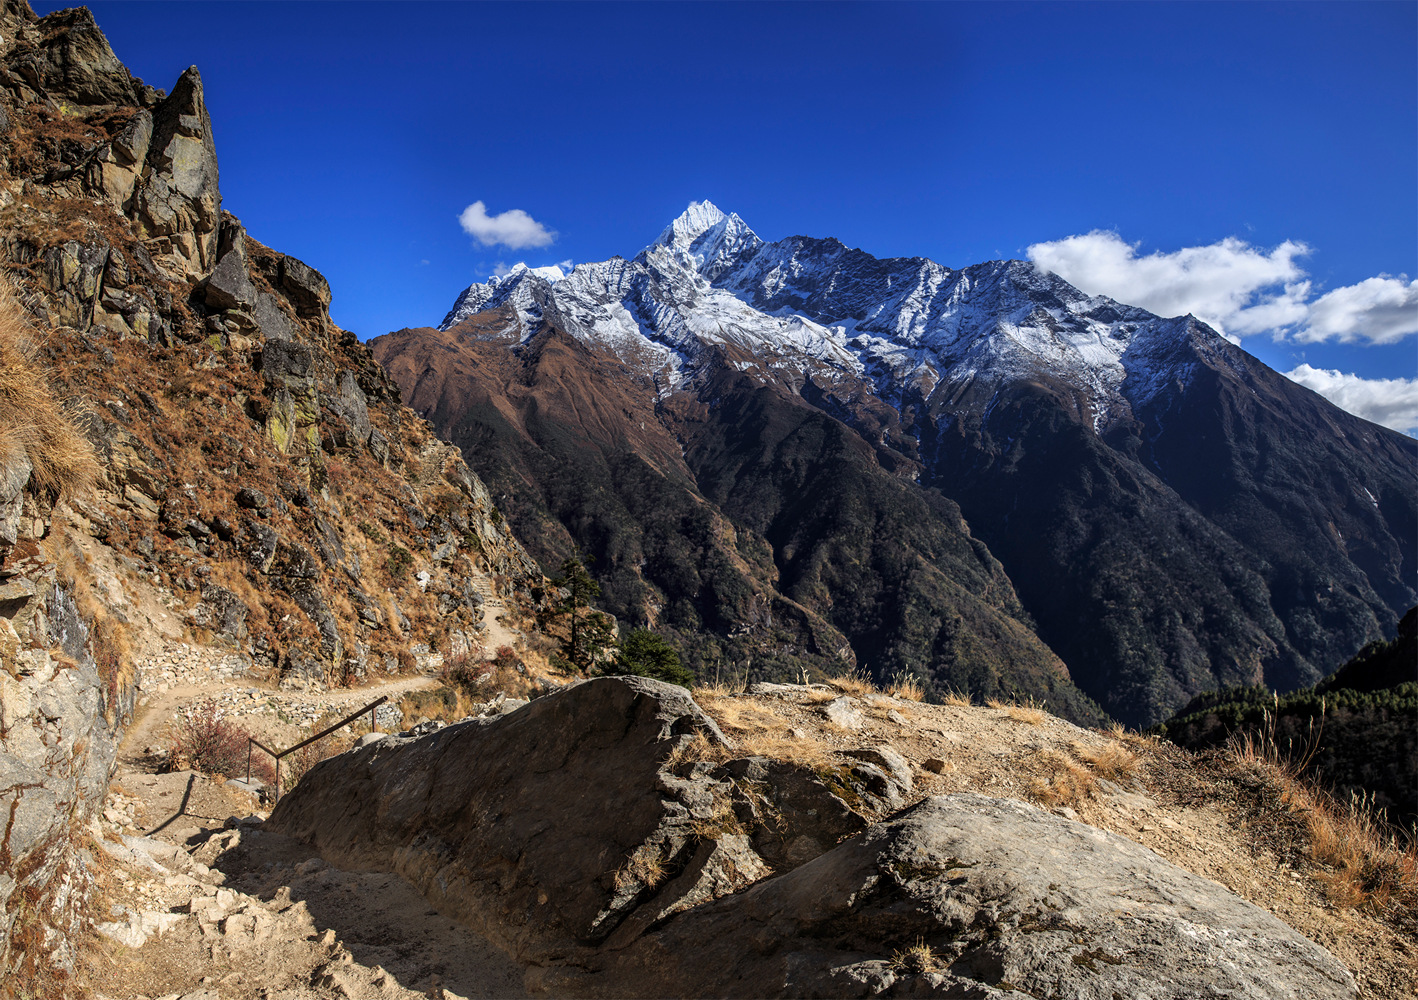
<point>353,134</point>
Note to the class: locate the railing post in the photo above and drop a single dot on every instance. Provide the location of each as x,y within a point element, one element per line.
<point>278,782</point>
<point>248,760</point>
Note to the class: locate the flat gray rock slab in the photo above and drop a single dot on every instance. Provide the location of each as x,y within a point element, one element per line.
<point>1011,901</point>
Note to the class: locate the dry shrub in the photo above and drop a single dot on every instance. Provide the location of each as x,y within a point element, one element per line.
<point>853,682</point>
<point>1111,760</point>
<point>906,687</point>
<point>35,423</point>
<point>203,739</point>
<point>442,704</point>
<point>1065,782</point>
<point>482,679</point>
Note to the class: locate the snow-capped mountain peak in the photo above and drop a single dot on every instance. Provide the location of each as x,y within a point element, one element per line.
<point>693,222</point>
<point>707,240</point>
<point>803,307</point>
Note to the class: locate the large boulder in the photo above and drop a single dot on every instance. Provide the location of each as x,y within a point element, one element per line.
<point>545,828</point>
<point>585,835</point>
<point>971,896</point>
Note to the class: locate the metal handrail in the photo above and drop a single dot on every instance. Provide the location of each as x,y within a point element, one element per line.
<point>253,741</point>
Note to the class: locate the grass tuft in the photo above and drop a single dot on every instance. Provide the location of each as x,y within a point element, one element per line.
<point>1065,782</point>
<point>906,687</point>
<point>33,422</point>
<point>1111,760</point>
<point>853,682</point>
<point>1028,713</point>
<point>1367,864</point>
<point>919,957</point>
<point>645,867</point>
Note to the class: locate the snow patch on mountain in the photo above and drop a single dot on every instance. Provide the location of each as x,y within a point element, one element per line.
<point>814,307</point>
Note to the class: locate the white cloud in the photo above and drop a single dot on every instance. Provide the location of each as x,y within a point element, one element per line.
<point>514,228</point>
<point>1392,402</point>
<point>1383,310</point>
<point>565,265</point>
<point>1235,287</point>
<point>501,269</point>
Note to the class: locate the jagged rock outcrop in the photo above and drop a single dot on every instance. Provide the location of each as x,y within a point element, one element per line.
<point>221,371</point>
<point>579,834</point>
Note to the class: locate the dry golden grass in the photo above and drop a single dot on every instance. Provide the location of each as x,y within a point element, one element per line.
<point>645,867</point>
<point>853,682</point>
<point>694,749</point>
<point>35,422</point>
<point>808,753</point>
<point>957,699</point>
<point>1028,713</point>
<point>919,957</point>
<point>817,696</point>
<point>1111,760</point>
<point>1065,782</point>
<point>739,715</point>
<point>1368,865</point>
<point>906,687</point>
<point>770,743</point>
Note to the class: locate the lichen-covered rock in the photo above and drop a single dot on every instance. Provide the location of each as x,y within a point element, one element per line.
<point>180,201</point>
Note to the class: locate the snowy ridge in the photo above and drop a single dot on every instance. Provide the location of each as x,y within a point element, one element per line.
<point>805,307</point>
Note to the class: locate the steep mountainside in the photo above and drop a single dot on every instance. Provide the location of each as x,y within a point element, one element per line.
<point>772,542</point>
<point>1173,515</point>
<point>264,501</point>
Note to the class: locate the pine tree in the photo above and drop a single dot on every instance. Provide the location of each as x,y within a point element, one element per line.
<point>590,631</point>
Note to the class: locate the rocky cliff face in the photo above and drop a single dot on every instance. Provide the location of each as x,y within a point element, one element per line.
<point>260,481</point>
